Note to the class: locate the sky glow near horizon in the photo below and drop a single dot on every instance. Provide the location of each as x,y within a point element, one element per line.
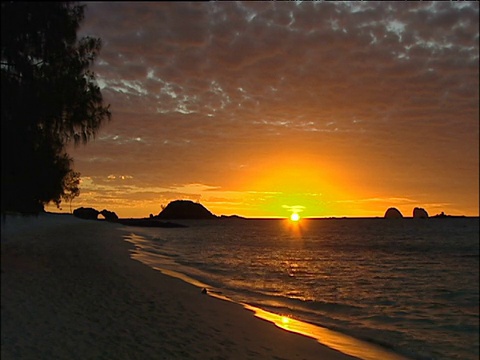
<point>269,108</point>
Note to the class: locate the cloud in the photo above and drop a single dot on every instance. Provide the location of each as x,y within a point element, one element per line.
<point>198,88</point>
<point>306,64</point>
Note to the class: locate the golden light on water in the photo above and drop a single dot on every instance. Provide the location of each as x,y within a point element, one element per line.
<point>330,338</point>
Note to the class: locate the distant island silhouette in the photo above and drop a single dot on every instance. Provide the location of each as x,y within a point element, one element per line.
<point>110,216</point>
<point>185,209</point>
<point>442,215</point>
<point>189,210</point>
<point>175,210</point>
<point>393,213</point>
<point>418,213</point>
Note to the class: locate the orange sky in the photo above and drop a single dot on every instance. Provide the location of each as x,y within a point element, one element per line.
<point>263,108</point>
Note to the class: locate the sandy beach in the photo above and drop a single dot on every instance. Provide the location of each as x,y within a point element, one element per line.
<point>70,290</point>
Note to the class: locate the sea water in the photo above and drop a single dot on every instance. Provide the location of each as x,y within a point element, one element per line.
<point>409,285</point>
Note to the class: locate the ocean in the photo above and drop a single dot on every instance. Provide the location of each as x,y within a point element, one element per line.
<point>408,285</point>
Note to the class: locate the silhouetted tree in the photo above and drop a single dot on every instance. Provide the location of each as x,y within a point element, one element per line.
<point>49,98</point>
<point>71,188</point>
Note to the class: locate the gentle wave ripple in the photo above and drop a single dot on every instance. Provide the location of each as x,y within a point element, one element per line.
<point>409,285</point>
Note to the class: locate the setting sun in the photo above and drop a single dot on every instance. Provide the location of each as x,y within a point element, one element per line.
<point>294,217</point>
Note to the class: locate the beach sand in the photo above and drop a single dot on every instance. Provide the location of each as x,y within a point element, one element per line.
<point>70,290</point>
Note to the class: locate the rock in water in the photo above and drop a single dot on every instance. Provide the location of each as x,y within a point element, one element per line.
<point>86,213</point>
<point>393,213</point>
<point>420,213</point>
<point>109,215</point>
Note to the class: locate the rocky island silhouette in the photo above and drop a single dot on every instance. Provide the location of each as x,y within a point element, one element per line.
<point>175,210</point>
<point>189,210</point>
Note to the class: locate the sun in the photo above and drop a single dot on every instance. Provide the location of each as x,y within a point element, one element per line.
<point>294,217</point>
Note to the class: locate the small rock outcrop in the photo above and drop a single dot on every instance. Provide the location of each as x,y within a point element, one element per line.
<point>185,209</point>
<point>109,215</point>
<point>419,213</point>
<point>393,213</point>
<point>86,213</point>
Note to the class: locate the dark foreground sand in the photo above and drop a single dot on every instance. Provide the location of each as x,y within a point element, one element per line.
<point>69,290</point>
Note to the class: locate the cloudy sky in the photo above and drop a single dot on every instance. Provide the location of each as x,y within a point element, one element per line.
<point>265,108</point>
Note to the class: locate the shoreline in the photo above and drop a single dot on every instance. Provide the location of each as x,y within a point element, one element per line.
<point>70,289</point>
<point>346,344</point>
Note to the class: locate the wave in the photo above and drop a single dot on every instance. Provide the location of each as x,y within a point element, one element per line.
<point>414,296</point>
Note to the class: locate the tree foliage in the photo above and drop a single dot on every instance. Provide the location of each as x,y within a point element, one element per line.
<point>49,99</point>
